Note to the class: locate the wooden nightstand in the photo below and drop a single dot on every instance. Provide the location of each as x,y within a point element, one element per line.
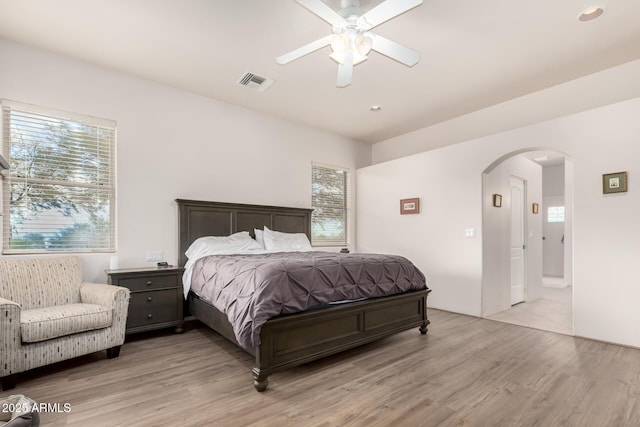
<point>156,297</point>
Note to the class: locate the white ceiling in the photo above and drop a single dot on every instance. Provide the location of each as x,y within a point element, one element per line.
<point>545,158</point>
<point>474,53</point>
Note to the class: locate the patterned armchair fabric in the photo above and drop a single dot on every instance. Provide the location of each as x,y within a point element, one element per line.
<point>47,314</point>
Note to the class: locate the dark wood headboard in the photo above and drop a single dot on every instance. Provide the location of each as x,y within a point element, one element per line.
<point>198,218</point>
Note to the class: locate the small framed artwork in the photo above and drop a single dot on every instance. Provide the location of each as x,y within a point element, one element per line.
<point>410,206</point>
<point>614,182</point>
<point>497,200</point>
<point>535,208</point>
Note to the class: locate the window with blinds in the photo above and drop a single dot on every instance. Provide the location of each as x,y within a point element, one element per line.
<point>329,202</point>
<point>59,193</point>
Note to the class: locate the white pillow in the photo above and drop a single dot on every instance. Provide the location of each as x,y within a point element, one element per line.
<point>220,245</point>
<point>259,237</point>
<point>277,241</point>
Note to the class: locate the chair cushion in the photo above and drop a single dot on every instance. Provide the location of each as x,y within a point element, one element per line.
<point>41,324</point>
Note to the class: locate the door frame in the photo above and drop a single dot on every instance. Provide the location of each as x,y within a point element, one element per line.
<point>523,221</point>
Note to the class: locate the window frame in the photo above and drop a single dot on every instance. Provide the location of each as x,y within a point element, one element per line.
<point>102,186</point>
<point>556,216</point>
<point>315,242</point>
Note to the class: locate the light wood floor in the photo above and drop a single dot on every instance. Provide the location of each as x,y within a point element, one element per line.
<point>466,372</point>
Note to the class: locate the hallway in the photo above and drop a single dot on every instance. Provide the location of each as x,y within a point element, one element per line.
<point>553,312</point>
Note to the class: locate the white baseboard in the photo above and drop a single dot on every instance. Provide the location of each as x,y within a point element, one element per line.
<point>554,282</point>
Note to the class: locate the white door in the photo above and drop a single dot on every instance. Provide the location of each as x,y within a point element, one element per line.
<point>518,212</point>
<point>553,237</point>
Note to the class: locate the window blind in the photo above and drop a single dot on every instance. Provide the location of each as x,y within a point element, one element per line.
<point>59,193</point>
<point>329,202</point>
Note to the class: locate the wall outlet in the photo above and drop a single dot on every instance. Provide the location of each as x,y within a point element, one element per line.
<point>154,256</point>
<point>470,232</point>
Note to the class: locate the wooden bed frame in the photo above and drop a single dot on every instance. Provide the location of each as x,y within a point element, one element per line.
<point>294,339</point>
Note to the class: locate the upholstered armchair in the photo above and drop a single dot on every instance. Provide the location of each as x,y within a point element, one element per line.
<point>47,314</point>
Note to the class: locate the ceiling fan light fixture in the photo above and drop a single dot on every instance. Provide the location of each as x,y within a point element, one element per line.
<point>363,44</point>
<point>360,45</point>
<point>340,43</point>
<point>357,58</point>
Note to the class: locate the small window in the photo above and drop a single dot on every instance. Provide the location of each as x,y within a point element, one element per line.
<point>555,214</point>
<point>59,193</point>
<point>329,202</point>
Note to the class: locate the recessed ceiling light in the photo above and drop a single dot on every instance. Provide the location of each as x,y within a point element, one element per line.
<point>590,13</point>
<point>375,108</point>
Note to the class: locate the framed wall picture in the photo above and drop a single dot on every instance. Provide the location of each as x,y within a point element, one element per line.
<point>614,182</point>
<point>410,206</point>
<point>535,208</point>
<point>497,200</point>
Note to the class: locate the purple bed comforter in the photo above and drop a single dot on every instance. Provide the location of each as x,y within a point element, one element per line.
<point>251,289</point>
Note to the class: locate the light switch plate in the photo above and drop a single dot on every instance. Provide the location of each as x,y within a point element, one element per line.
<point>470,232</point>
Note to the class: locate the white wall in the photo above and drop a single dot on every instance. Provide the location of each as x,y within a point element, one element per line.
<point>496,237</point>
<point>553,181</point>
<point>595,90</point>
<point>606,229</point>
<point>449,185</point>
<point>174,144</point>
<point>569,183</point>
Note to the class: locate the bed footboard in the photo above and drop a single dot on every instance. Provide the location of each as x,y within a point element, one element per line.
<point>295,339</point>
<point>292,340</point>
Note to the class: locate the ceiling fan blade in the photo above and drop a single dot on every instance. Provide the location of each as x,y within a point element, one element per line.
<point>385,11</point>
<point>345,70</point>
<point>323,11</point>
<point>304,50</point>
<point>393,50</point>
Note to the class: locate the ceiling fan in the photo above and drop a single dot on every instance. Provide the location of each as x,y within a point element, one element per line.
<point>351,40</point>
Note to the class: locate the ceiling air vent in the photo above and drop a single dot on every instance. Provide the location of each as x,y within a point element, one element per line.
<point>255,82</point>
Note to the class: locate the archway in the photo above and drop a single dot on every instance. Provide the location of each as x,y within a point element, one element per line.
<point>499,268</point>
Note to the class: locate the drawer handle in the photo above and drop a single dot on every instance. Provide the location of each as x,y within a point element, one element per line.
<point>149,316</point>
<point>149,299</point>
<point>149,283</point>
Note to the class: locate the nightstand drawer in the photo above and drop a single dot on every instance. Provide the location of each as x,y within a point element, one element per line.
<point>149,282</point>
<point>156,299</point>
<point>148,308</point>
